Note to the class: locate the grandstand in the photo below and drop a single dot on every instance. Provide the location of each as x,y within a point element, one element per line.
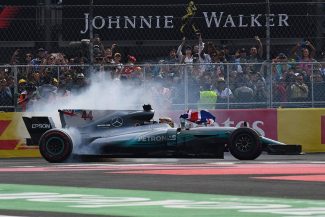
<point>255,54</point>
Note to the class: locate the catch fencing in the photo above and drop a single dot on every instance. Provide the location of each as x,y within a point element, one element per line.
<point>170,86</point>
<point>150,29</point>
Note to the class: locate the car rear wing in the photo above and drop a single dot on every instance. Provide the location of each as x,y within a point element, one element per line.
<point>36,127</point>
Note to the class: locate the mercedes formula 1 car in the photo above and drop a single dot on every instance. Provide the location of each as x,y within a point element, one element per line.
<point>130,133</point>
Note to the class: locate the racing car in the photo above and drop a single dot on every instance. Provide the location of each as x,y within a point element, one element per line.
<point>134,133</point>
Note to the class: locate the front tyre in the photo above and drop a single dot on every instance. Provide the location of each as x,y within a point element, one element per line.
<point>245,144</point>
<point>55,146</point>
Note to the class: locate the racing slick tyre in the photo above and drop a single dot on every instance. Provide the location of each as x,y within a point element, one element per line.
<point>55,146</point>
<point>244,144</point>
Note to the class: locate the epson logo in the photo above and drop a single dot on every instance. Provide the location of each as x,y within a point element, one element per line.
<point>41,126</point>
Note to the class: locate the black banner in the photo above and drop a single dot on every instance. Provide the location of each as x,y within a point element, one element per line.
<point>170,20</point>
<point>167,20</point>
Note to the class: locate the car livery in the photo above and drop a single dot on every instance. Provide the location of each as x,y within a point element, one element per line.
<point>133,133</point>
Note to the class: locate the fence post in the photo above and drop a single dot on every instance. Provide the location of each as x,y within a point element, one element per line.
<point>312,86</point>
<point>186,87</point>
<point>91,34</point>
<point>269,71</point>
<point>15,96</point>
<point>58,74</point>
<point>228,106</point>
<point>144,76</point>
<point>268,44</point>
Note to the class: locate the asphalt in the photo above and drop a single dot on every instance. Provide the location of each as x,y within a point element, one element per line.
<point>102,175</point>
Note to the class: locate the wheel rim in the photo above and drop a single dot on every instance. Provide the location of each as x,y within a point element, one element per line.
<point>55,146</point>
<point>244,143</point>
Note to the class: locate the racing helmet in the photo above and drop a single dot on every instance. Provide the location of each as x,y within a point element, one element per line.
<point>166,120</point>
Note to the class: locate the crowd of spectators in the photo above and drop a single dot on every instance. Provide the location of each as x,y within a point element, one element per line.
<point>235,76</point>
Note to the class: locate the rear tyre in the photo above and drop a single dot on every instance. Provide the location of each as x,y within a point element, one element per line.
<point>55,146</point>
<point>245,144</point>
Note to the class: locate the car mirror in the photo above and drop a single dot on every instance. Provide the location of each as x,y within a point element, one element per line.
<point>178,130</point>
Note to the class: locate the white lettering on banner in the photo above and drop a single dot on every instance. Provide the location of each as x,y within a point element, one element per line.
<point>169,22</point>
<point>158,24</point>
<point>84,201</point>
<point>214,17</point>
<point>115,21</point>
<point>101,21</point>
<point>271,20</point>
<point>254,20</point>
<point>255,125</point>
<point>212,20</point>
<point>241,21</point>
<point>229,20</point>
<point>251,21</point>
<point>283,18</point>
<point>144,20</point>
<point>129,21</point>
<point>86,23</point>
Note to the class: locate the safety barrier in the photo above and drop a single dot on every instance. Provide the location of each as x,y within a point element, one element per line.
<point>12,137</point>
<point>292,126</point>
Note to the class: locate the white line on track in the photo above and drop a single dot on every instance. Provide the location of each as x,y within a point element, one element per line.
<point>10,216</point>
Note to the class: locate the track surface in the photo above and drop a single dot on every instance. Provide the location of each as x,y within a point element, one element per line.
<point>291,178</point>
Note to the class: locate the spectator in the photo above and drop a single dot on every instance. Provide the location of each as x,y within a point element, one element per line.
<point>188,57</point>
<point>41,54</point>
<point>27,61</point>
<point>319,87</point>
<point>223,92</point>
<point>172,58</point>
<point>322,67</point>
<point>23,94</point>
<point>28,58</point>
<point>308,52</point>
<point>259,87</point>
<point>240,58</point>
<point>63,88</point>
<point>16,58</point>
<point>280,66</point>
<point>299,90</point>
<point>108,58</point>
<point>205,82</point>
<point>118,66</point>
<point>280,91</point>
<point>129,69</point>
<point>6,98</point>
<point>98,46</point>
<point>200,57</point>
<point>47,91</point>
<point>226,51</point>
<point>243,93</point>
<point>256,54</point>
<point>232,79</point>
<point>218,68</point>
<point>80,84</point>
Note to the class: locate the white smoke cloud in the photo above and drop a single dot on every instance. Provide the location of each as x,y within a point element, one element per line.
<point>108,95</point>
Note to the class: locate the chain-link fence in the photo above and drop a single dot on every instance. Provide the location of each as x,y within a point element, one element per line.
<point>150,29</point>
<point>167,86</point>
<point>252,54</point>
